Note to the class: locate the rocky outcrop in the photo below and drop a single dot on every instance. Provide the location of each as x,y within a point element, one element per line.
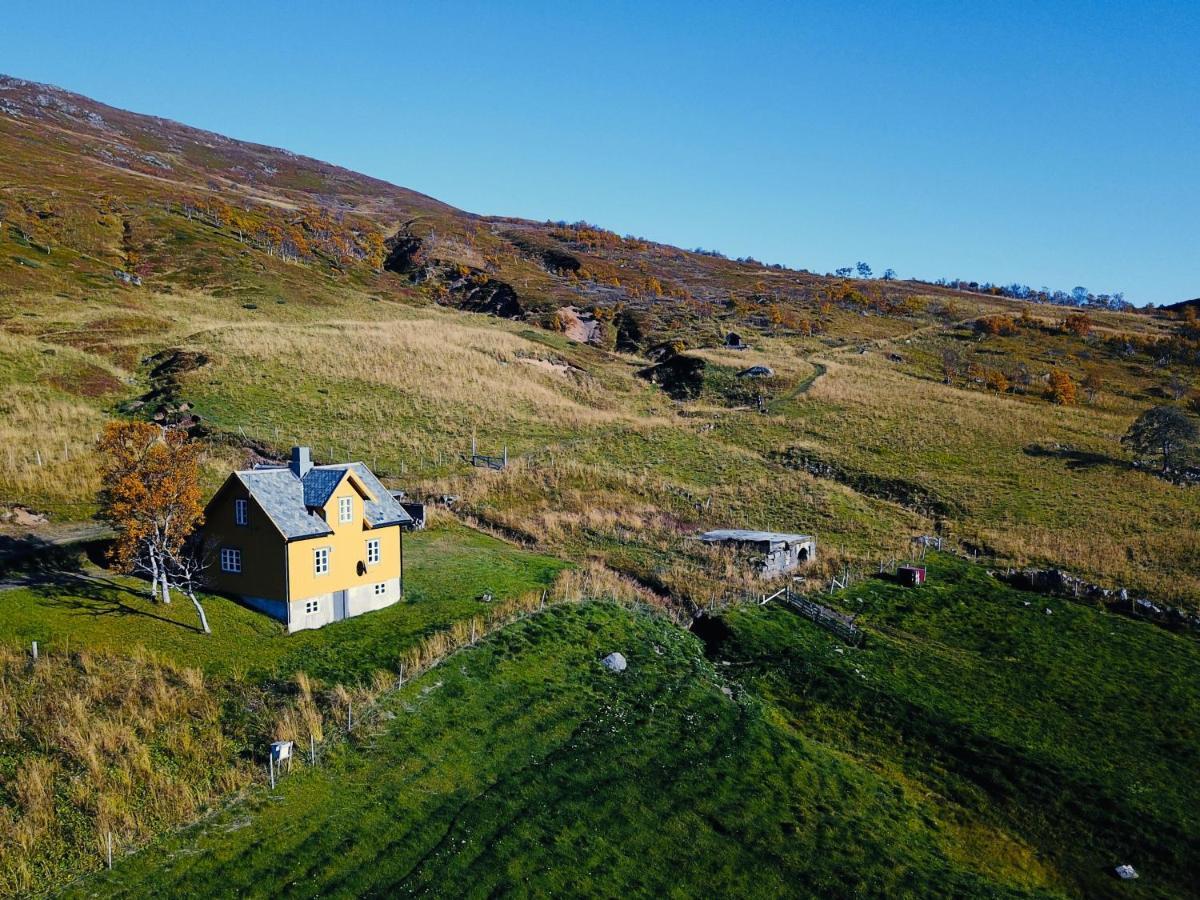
<point>1059,583</point>
<point>164,403</point>
<point>467,286</point>
<point>681,377</point>
<point>489,296</point>
<point>908,494</point>
<point>404,255</point>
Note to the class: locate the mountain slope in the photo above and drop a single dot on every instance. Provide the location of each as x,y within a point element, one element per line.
<point>281,271</point>
<point>983,742</point>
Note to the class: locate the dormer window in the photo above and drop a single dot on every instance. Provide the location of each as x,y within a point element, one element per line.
<point>345,509</point>
<point>241,511</point>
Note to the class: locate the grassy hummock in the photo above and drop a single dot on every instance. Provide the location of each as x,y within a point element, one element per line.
<point>523,767</point>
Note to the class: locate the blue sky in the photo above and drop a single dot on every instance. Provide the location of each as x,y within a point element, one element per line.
<point>1050,143</point>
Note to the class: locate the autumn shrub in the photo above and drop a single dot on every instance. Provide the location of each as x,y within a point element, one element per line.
<point>996,325</point>
<point>1061,388</point>
<point>1078,324</point>
<point>996,380</point>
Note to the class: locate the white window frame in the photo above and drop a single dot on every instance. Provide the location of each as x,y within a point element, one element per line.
<point>345,509</point>
<point>241,511</point>
<point>311,607</point>
<point>231,560</point>
<point>380,589</point>
<point>321,561</point>
<point>373,552</point>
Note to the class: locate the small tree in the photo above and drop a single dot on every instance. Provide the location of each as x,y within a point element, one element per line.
<point>864,271</point>
<point>1176,387</point>
<point>1092,383</point>
<point>1062,388</point>
<point>151,498</point>
<point>187,569</point>
<point>996,380</point>
<point>1078,324</point>
<point>1162,431</point>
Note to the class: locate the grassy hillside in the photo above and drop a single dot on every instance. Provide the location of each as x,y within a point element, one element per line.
<point>133,721</point>
<point>568,779</point>
<point>976,747</point>
<point>783,762</point>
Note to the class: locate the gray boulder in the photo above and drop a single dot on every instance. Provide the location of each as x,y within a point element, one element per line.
<point>614,662</point>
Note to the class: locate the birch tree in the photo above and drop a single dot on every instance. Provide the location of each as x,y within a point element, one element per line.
<point>187,569</point>
<point>151,497</point>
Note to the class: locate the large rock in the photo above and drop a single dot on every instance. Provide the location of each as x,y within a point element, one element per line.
<point>756,372</point>
<point>614,662</point>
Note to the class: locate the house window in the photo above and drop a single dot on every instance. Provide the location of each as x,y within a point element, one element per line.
<point>372,551</point>
<point>311,606</point>
<point>321,560</point>
<point>345,509</point>
<point>380,590</point>
<point>241,511</point>
<point>231,560</point>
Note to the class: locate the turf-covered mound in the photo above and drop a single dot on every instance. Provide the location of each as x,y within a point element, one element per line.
<point>523,767</point>
<point>1060,738</point>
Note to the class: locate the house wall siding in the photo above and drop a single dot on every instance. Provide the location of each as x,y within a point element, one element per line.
<point>347,548</point>
<point>359,600</point>
<point>263,572</point>
<point>277,577</point>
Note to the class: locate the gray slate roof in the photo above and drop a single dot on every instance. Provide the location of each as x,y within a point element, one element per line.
<point>290,501</point>
<point>742,535</point>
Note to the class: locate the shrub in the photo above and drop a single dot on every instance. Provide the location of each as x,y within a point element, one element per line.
<point>995,325</point>
<point>1078,324</point>
<point>996,381</point>
<point>1062,388</point>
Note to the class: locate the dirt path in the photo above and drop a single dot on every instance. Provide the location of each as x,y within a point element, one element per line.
<point>27,559</point>
<point>821,368</point>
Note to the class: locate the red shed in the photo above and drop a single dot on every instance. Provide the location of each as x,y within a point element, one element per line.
<point>913,576</point>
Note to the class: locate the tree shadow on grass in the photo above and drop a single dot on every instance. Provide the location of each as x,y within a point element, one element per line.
<point>58,576</point>
<point>97,596</point>
<point>1076,459</point>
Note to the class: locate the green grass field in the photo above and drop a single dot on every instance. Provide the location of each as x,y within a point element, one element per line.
<point>975,747</point>
<point>523,767</point>
<point>448,567</point>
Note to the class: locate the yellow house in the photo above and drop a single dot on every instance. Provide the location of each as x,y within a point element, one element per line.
<point>307,545</point>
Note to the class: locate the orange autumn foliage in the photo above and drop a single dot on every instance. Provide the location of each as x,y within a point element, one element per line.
<point>1062,388</point>
<point>151,493</point>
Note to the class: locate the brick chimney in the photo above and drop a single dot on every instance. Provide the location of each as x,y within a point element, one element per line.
<point>301,461</point>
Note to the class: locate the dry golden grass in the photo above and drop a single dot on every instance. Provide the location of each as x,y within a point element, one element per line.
<point>46,448</point>
<point>473,369</point>
<point>1100,519</point>
<point>132,743</point>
